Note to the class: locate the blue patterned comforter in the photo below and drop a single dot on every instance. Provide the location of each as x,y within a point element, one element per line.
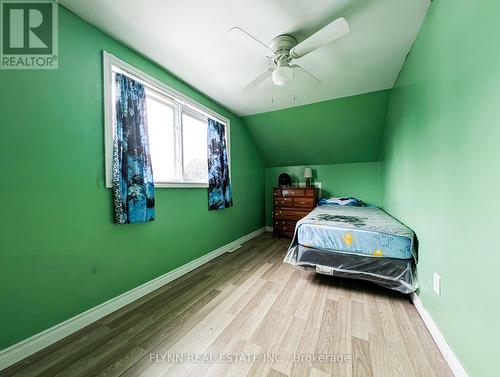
<point>356,230</point>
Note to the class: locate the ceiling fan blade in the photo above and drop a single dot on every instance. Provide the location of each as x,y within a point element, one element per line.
<point>331,32</point>
<point>259,80</point>
<point>247,40</point>
<point>306,72</point>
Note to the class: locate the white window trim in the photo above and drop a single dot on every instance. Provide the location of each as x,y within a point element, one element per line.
<point>194,107</point>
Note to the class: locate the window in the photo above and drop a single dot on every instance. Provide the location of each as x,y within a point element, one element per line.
<point>177,129</point>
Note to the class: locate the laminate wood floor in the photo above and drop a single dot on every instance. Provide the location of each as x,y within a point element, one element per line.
<point>248,314</point>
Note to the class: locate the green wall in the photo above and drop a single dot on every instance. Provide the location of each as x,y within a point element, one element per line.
<point>339,131</point>
<point>361,180</point>
<point>60,252</point>
<point>441,171</point>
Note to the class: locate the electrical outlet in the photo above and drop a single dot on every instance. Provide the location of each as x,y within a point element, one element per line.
<point>437,284</point>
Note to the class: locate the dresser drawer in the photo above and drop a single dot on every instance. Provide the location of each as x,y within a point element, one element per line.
<point>303,202</point>
<point>288,214</point>
<point>311,192</point>
<point>281,201</point>
<point>292,192</point>
<point>284,226</point>
<point>286,234</point>
<point>277,192</point>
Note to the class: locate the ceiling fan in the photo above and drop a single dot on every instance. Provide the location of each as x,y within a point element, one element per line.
<point>284,49</point>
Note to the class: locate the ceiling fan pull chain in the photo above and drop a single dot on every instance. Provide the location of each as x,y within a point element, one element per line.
<point>293,90</point>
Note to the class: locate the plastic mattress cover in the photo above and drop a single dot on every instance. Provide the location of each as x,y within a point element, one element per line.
<point>395,274</point>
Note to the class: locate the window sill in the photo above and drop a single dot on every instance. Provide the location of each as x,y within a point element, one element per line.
<point>181,185</point>
<point>159,185</point>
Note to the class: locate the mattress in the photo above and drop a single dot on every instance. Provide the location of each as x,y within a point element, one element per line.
<point>364,231</point>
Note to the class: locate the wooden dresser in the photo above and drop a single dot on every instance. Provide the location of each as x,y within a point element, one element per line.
<point>290,204</point>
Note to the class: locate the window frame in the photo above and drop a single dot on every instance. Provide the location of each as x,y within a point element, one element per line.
<point>187,105</point>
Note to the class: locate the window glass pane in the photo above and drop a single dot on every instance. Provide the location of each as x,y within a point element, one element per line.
<point>194,140</point>
<point>161,138</point>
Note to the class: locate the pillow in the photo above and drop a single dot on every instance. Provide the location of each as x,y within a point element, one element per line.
<point>333,201</point>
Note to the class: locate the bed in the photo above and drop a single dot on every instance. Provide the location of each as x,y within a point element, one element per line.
<point>356,242</point>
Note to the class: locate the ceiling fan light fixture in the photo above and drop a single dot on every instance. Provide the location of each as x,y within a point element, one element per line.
<point>282,76</point>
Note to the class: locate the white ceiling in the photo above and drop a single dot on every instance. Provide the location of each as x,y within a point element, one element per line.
<point>188,38</point>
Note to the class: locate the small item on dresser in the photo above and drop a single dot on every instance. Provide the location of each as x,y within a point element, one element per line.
<point>284,180</point>
<point>308,174</point>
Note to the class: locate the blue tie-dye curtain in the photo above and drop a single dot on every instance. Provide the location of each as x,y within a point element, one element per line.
<point>219,182</point>
<point>133,184</point>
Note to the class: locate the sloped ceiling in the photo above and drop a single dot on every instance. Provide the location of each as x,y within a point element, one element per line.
<point>348,129</point>
<point>189,39</point>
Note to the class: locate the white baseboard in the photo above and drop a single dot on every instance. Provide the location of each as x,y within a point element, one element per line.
<point>448,354</point>
<point>37,342</point>
<point>269,228</point>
